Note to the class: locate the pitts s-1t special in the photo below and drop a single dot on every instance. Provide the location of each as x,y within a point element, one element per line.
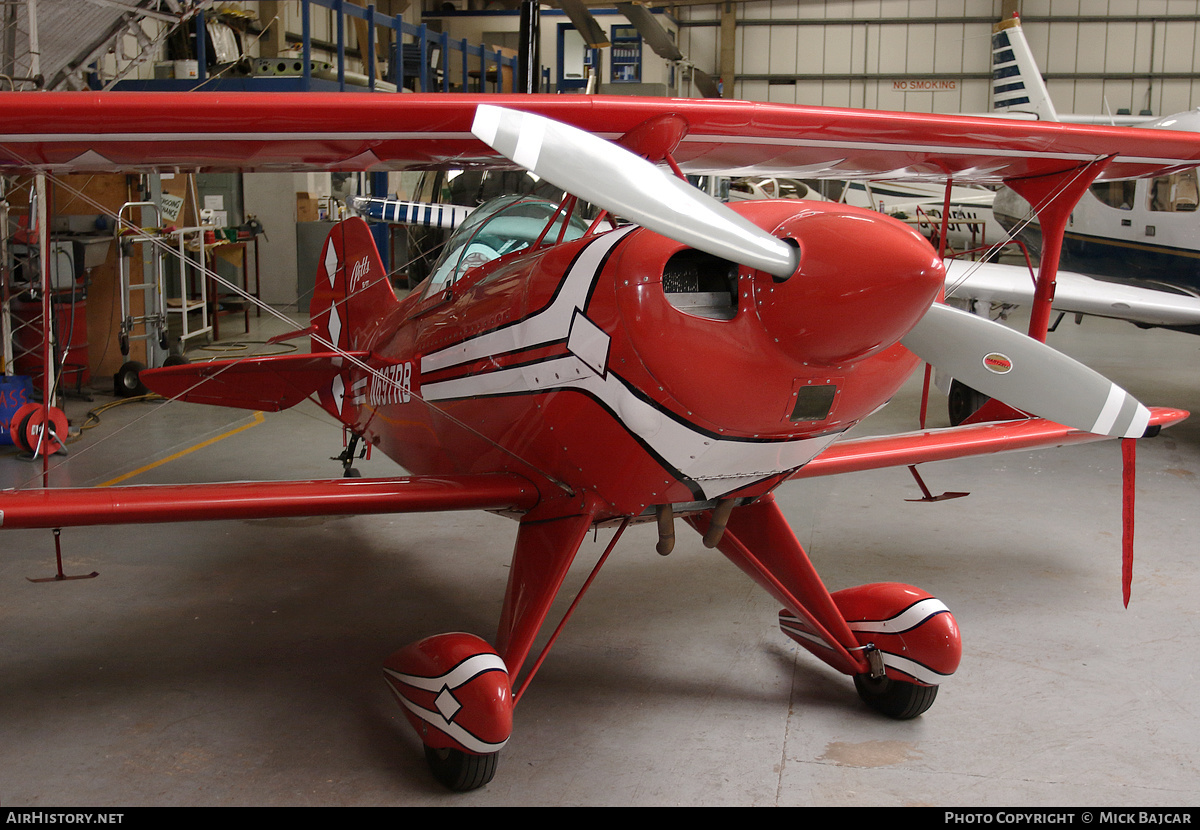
<point>672,359</point>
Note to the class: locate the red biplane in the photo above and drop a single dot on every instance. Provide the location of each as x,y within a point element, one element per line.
<point>680,363</point>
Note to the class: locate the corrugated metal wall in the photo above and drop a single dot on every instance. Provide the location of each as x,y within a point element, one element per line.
<point>934,55</point>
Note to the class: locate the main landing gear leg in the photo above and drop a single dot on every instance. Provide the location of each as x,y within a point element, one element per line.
<point>897,641</point>
<point>455,689</point>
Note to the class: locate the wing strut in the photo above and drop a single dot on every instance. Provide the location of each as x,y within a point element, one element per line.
<point>1128,488</point>
<point>1053,198</point>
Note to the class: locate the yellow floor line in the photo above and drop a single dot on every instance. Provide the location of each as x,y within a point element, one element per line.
<point>258,419</point>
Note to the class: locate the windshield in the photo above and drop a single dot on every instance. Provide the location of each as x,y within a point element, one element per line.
<point>496,228</point>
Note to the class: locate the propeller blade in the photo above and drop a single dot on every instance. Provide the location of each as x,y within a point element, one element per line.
<point>1024,373</point>
<point>591,31</point>
<point>705,83</point>
<point>622,183</point>
<point>656,37</point>
<point>428,214</point>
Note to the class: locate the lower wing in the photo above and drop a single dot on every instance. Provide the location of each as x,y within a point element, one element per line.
<point>85,506</point>
<point>876,452</point>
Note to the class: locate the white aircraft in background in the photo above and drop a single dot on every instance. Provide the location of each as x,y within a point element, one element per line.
<point>1143,234</point>
<point>972,225</point>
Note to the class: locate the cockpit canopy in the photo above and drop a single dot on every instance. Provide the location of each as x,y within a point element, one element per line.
<point>499,227</point>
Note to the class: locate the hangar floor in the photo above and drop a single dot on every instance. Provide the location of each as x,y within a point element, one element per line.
<point>237,662</point>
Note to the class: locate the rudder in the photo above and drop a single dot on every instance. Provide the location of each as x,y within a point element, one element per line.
<point>352,294</point>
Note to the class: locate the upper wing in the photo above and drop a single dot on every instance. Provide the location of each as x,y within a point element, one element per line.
<point>1073,293</point>
<point>84,131</point>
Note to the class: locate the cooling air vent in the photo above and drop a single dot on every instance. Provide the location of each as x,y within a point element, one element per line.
<point>701,284</point>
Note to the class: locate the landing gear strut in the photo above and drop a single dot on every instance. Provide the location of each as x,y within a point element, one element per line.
<point>349,455</point>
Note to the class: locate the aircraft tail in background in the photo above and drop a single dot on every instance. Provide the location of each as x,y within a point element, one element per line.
<point>1019,90</point>
<point>1017,85</point>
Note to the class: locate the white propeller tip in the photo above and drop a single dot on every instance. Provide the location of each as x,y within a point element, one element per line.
<point>487,123</point>
<point>1141,420</point>
<point>1121,416</point>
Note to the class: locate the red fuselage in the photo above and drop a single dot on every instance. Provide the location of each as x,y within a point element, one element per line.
<point>630,366</point>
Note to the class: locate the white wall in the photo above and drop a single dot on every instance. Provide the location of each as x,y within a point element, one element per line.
<point>859,38</point>
<point>474,27</point>
<point>272,198</point>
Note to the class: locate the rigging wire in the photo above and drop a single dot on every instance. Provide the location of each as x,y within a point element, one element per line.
<point>378,375</point>
<point>1029,218</point>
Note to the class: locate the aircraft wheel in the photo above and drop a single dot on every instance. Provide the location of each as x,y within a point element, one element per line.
<point>461,771</point>
<point>126,383</point>
<point>963,402</point>
<point>895,698</point>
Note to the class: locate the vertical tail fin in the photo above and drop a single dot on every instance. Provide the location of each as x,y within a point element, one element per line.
<point>1017,85</point>
<point>352,293</point>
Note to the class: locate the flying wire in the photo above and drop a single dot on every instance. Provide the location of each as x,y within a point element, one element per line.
<point>1028,219</point>
<point>378,375</point>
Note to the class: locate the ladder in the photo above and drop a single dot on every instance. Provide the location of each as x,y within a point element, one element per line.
<point>151,324</point>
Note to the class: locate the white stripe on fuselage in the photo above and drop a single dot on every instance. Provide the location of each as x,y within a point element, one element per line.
<point>549,325</point>
<point>716,465</point>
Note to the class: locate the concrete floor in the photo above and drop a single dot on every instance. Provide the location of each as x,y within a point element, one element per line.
<point>238,663</point>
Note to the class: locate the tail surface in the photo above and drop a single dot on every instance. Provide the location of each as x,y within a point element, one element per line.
<point>352,295</point>
<point>351,300</point>
<point>1017,85</point>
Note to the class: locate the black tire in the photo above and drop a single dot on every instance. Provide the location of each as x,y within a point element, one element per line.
<point>963,402</point>
<point>461,771</point>
<point>895,698</point>
<point>176,360</point>
<point>127,383</point>
<point>19,432</point>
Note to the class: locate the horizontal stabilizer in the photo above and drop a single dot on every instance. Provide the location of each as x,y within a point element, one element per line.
<point>270,384</point>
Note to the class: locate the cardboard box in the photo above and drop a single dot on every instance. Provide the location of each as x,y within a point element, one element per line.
<point>506,71</point>
<point>306,207</point>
